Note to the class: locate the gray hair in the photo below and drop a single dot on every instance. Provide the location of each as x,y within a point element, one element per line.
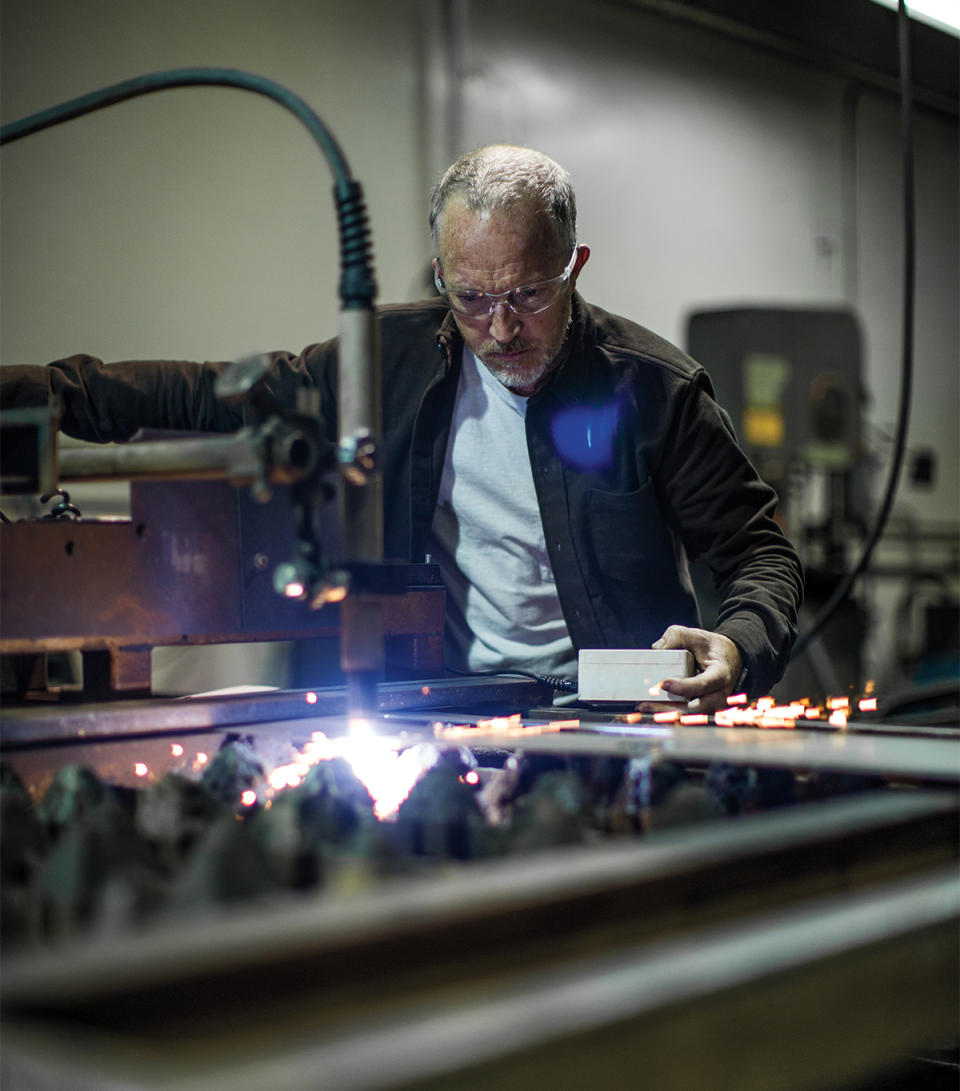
<point>500,175</point>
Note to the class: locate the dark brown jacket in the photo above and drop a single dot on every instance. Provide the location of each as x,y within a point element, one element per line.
<point>636,468</point>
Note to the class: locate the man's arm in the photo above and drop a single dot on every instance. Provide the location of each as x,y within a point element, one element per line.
<point>105,403</point>
<point>724,513</point>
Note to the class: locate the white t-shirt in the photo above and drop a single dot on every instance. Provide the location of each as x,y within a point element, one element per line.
<point>487,538</point>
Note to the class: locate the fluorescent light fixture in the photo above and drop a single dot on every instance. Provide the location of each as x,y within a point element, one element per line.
<point>943,14</point>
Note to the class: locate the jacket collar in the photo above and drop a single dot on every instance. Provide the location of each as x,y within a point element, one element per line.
<point>449,341</point>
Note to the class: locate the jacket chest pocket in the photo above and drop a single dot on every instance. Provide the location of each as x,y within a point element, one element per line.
<point>629,538</point>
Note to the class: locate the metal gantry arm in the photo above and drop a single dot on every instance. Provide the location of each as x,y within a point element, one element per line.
<point>243,455</point>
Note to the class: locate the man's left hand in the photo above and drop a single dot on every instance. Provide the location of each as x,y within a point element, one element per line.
<point>719,663</point>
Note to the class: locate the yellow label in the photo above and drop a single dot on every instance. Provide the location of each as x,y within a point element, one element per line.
<point>763,426</point>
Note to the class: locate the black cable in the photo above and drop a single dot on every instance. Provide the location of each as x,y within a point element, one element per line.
<point>552,680</point>
<point>64,509</point>
<point>182,77</point>
<point>357,284</point>
<point>906,371</point>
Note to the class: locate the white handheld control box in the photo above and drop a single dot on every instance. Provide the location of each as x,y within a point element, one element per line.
<point>631,674</point>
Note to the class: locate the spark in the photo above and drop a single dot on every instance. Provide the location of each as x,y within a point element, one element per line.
<point>176,749</point>
<point>286,776</point>
<point>310,697</point>
<point>387,775</point>
<point>319,748</point>
<point>796,710</point>
<point>765,714</point>
<point>140,769</point>
<point>779,716</point>
<point>248,797</point>
<point>500,723</point>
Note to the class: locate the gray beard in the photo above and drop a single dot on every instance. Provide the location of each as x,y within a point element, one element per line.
<point>525,379</point>
<point>519,378</point>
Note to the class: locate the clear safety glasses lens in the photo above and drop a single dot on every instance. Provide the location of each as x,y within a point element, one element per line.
<point>528,299</point>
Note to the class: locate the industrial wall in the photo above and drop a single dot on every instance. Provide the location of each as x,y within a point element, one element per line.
<point>710,173</point>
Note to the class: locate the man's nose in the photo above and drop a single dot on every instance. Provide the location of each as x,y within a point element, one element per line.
<point>504,323</point>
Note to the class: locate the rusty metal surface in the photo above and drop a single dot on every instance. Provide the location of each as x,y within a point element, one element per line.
<point>193,565</point>
<point>105,585</point>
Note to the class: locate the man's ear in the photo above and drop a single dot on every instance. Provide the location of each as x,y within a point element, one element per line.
<point>583,253</point>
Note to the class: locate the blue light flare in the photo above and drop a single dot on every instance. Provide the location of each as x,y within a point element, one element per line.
<point>583,435</point>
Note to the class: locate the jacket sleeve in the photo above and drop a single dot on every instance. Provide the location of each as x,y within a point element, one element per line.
<point>724,514</point>
<point>105,403</point>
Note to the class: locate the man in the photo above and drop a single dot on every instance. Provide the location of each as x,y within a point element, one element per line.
<point>559,463</point>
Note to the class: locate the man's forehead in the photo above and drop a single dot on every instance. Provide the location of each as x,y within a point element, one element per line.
<point>516,234</point>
